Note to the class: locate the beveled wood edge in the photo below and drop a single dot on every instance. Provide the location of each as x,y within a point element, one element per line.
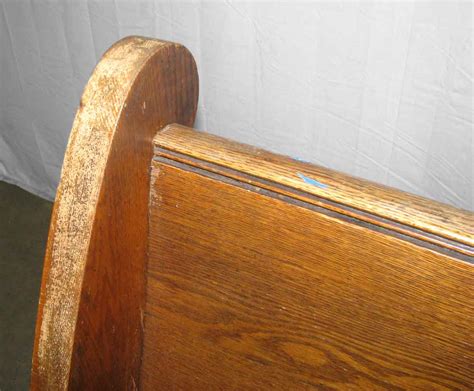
<point>103,104</point>
<point>407,213</point>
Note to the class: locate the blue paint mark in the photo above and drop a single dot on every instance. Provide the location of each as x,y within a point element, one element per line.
<point>298,159</point>
<point>311,181</point>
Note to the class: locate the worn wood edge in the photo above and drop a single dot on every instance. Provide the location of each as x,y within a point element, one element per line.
<point>75,205</point>
<point>434,218</point>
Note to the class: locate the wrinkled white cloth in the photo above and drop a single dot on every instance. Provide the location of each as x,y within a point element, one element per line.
<point>378,90</point>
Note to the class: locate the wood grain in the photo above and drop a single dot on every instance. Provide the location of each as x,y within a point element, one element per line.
<point>89,327</point>
<point>404,209</point>
<point>250,290</point>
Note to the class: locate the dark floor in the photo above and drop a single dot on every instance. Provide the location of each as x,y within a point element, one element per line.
<point>24,220</point>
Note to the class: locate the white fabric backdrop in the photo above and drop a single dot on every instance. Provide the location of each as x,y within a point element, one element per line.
<point>378,90</point>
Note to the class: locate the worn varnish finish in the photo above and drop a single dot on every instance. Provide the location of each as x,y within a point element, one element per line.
<point>249,289</point>
<point>403,208</point>
<point>89,328</point>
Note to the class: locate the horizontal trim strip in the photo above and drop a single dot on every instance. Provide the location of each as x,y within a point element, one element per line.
<point>277,190</point>
<point>410,211</point>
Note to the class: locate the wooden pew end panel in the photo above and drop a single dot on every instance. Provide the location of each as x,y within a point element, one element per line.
<point>89,326</point>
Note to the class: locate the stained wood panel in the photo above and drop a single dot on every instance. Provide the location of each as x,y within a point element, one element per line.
<point>251,289</point>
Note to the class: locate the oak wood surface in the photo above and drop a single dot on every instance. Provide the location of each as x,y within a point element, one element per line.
<point>89,327</point>
<point>407,210</point>
<point>251,289</point>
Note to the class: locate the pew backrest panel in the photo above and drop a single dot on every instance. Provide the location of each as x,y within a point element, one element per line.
<point>263,274</point>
